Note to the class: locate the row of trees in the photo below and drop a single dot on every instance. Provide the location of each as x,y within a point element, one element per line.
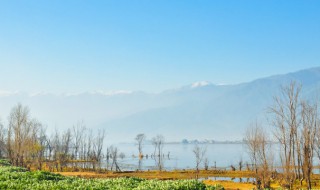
<point>25,143</point>
<point>296,130</point>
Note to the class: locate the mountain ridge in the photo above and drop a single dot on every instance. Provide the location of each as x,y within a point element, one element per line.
<point>207,111</point>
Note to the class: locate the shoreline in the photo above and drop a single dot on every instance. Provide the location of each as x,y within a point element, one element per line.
<point>162,175</point>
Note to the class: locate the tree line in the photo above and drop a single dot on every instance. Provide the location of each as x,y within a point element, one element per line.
<point>25,143</point>
<point>296,130</point>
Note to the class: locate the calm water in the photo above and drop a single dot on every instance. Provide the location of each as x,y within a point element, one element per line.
<point>234,179</point>
<point>182,157</point>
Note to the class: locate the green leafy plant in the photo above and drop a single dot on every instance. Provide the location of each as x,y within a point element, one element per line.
<point>19,178</point>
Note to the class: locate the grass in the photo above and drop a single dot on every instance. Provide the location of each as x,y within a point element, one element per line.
<point>20,178</point>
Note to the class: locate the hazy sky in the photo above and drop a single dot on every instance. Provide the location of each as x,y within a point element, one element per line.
<point>152,45</point>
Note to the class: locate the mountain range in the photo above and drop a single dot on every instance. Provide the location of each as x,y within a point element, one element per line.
<point>198,111</point>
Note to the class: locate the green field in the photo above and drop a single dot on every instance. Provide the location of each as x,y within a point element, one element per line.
<point>19,178</point>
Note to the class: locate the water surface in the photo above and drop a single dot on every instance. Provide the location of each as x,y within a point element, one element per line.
<point>181,156</point>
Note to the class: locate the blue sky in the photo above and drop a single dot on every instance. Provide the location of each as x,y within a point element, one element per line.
<point>75,46</point>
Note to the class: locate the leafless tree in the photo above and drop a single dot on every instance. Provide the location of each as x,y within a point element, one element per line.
<point>83,145</point>
<point>17,131</point>
<point>158,143</point>
<point>97,148</point>
<point>199,153</point>
<point>108,158</point>
<point>310,128</point>
<point>2,140</point>
<point>89,147</point>
<point>287,121</point>
<point>140,138</point>
<point>251,139</point>
<point>206,163</point>
<point>23,137</point>
<point>259,151</point>
<point>296,128</point>
<point>114,156</point>
<point>50,147</point>
<point>240,164</point>
<point>41,144</point>
<point>25,143</point>
<point>78,131</point>
<point>62,144</point>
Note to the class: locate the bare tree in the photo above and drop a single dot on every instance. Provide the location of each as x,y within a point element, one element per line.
<point>83,149</point>
<point>62,145</point>
<point>259,150</point>
<point>17,131</point>
<point>50,147</point>
<point>25,143</point>
<point>108,157</point>
<point>251,139</point>
<point>97,148</point>
<point>199,153</point>
<point>287,122</point>
<point>40,145</point>
<point>158,143</point>
<point>114,156</point>
<point>23,137</point>
<point>206,163</point>
<point>308,138</point>
<point>89,147</point>
<point>140,138</point>
<point>240,164</point>
<point>78,133</point>
<point>56,148</point>
<point>2,140</point>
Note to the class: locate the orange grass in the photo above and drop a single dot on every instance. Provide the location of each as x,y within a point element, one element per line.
<point>178,174</point>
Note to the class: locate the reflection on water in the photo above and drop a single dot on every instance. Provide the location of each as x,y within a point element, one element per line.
<point>180,156</point>
<point>234,179</point>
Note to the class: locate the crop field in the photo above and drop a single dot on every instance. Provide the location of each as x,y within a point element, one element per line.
<point>19,178</point>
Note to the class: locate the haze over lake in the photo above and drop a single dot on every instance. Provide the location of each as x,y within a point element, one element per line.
<point>182,157</point>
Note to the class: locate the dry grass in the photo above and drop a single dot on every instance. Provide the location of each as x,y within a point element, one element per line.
<point>229,185</point>
<point>178,174</point>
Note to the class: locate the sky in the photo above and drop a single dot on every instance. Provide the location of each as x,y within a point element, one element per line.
<point>76,46</point>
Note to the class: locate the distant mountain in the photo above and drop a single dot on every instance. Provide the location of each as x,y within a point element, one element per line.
<point>199,111</point>
<point>211,111</point>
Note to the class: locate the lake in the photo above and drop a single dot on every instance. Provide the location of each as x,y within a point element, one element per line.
<point>182,157</point>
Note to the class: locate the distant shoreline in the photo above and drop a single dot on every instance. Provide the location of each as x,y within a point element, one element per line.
<point>200,142</point>
<point>192,143</point>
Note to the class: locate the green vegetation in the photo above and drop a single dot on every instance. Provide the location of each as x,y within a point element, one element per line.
<point>4,162</point>
<point>19,178</point>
